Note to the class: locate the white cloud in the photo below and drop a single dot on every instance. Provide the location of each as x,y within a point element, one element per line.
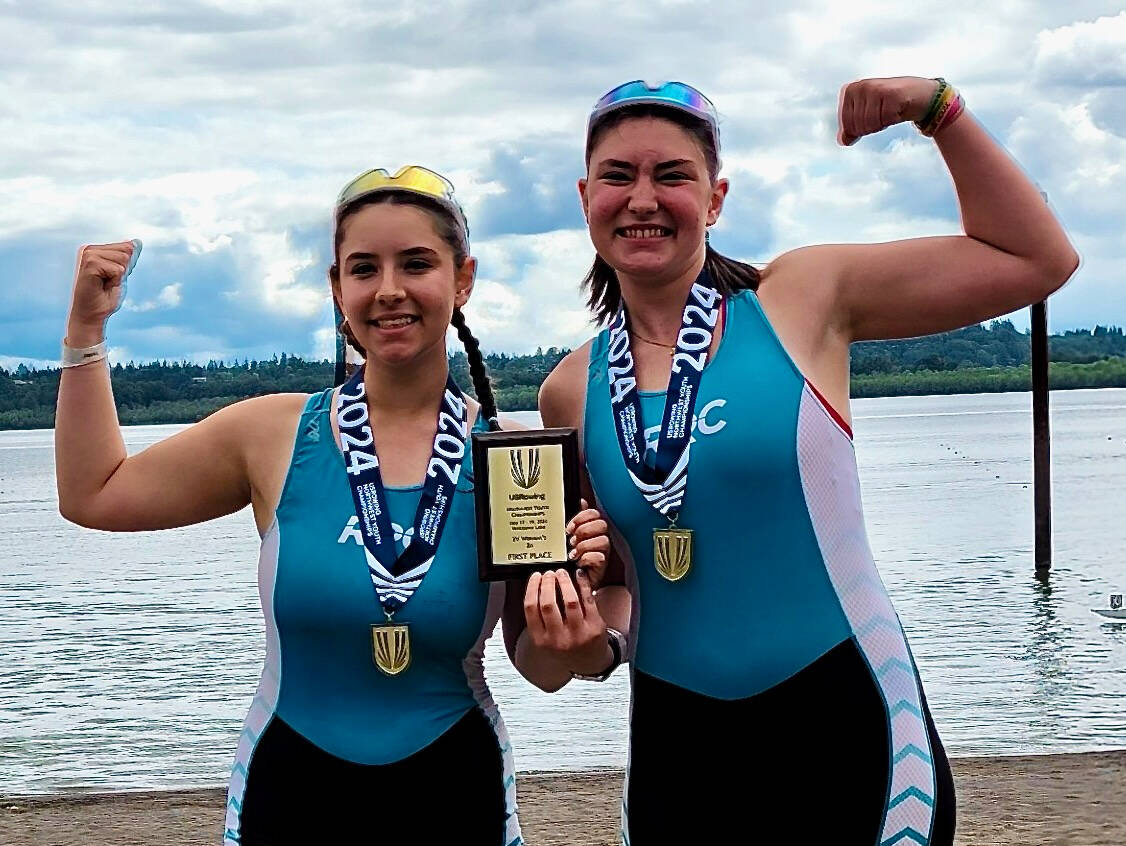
<point>273,267</point>
<point>527,293</point>
<point>11,362</point>
<point>118,355</point>
<point>495,307</point>
<point>169,297</point>
<point>228,129</point>
<point>324,344</point>
<point>1086,53</point>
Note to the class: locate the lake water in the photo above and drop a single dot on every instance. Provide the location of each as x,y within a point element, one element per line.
<point>128,661</point>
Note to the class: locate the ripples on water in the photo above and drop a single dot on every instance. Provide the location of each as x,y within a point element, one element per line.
<point>129,660</point>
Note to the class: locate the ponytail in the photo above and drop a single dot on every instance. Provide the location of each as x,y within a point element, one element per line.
<point>482,386</point>
<point>604,294</point>
<point>730,275</point>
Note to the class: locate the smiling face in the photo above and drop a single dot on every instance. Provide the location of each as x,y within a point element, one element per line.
<point>649,198</point>
<point>397,280</point>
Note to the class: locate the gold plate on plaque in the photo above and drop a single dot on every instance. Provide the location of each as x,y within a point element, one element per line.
<point>391,647</point>
<point>527,508</point>
<point>672,552</point>
<point>526,488</point>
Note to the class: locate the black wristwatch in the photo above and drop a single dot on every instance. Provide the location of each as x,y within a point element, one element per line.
<point>617,642</point>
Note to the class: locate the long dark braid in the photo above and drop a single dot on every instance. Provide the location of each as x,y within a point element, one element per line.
<point>482,386</point>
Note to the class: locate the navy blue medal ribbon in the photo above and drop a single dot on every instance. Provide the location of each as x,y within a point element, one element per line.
<point>396,577</point>
<point>663,484</point>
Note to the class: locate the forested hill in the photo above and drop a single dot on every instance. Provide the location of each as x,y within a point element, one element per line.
<point>998,345</point>
<point>973,360</point>
<point>179,392</point>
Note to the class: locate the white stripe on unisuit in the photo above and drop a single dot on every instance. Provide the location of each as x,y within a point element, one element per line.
<point>474,666</point>
<point>619,543</point>
<point>827,464</point>
<point>265,701</point>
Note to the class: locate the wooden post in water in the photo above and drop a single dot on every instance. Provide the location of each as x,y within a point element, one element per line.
<point>1041,439</point>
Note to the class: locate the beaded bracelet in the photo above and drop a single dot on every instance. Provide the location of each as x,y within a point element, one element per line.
<point>952,114</point>
<point>927,124</point>
<point>947,99</point>
<point>944,107</point>
<point>932,107</point>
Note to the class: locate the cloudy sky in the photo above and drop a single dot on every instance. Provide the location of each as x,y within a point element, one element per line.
<point>220,132</point>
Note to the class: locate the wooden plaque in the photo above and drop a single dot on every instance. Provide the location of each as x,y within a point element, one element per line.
<point>526,489</point>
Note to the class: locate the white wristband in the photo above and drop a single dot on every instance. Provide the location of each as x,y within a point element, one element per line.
<point>77,356</point>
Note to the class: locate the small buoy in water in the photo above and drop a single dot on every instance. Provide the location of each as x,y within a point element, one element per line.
<point>1115,611</point>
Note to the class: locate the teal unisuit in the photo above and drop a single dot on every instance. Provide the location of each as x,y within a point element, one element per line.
<point>323,710</point>
<point>732,627</point>
<point>779,654</point>
<point>372,718</point>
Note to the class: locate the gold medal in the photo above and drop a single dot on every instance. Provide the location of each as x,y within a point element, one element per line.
<point>672,552</point>
<point>391,646</point>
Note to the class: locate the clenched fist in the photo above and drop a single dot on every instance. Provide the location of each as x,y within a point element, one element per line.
<point>99,287</point>
<point>868,106</point>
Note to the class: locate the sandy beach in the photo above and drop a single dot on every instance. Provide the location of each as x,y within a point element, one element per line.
<point>1046,800</point>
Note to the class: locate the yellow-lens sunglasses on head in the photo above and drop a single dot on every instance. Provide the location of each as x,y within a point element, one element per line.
<point>412,178</point>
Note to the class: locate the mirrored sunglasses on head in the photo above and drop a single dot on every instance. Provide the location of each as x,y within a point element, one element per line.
<point>415,178</point>
<point>678,95</point>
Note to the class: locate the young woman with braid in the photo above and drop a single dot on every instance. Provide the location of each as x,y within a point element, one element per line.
<point>372,713</point>
<point>774,697</point>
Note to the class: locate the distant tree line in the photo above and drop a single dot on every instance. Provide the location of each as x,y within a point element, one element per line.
<point>183,392</point>
<point>998,345</point>
<point>977,359</point>
<point>1109,373</point>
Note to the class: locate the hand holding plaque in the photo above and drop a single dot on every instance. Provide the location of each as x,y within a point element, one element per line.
<point>562,619</point>
<point>590,542</point>
<point>527,492</point>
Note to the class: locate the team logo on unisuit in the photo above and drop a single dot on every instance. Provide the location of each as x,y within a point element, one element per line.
<point>707,422</point>
<point>351,532</point>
